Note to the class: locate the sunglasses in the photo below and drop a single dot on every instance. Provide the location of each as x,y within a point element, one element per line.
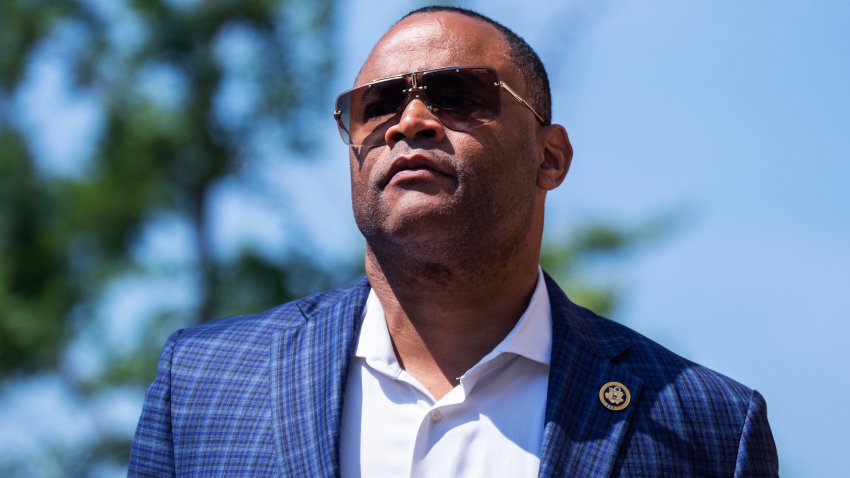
<point>462,98</point>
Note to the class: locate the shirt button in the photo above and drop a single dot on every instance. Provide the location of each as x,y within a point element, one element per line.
<point>436,416</point>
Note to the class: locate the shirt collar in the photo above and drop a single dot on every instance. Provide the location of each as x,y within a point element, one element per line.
<point>531,337</point>
<point>374,343</point>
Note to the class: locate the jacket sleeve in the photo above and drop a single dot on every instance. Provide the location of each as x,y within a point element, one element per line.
<point>756,450</point>
<point>152,453</point>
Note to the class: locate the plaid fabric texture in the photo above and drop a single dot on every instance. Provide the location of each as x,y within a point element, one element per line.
<point>261,395</point>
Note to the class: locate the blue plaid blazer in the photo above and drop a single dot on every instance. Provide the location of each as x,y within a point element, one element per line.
<point>261,395</point>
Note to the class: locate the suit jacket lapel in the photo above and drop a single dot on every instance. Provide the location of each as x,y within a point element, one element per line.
<point>309,364</point>
<point>581,436</point>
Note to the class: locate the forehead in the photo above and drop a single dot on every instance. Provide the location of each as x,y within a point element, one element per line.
<point>434,40</point>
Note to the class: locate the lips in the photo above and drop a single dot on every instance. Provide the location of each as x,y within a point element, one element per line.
<point>415,166</point>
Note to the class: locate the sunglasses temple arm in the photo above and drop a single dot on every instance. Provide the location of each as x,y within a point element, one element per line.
<point>519,98</point>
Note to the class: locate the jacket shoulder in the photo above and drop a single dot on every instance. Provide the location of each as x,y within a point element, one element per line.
<point>661,369</point>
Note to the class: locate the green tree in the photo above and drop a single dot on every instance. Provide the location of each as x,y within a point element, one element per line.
<point>161,74</point>
<point>159,152</point>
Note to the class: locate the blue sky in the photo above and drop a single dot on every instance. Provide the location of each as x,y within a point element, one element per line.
<point>734,115</point>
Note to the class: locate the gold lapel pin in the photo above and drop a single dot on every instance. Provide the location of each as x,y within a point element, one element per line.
<point>614,396</point>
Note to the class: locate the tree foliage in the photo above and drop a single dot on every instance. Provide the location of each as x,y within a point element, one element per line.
<point>184,93</point>
<point>160,72</point>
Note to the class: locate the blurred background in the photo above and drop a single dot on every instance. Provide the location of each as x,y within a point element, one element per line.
<point>165,163</point>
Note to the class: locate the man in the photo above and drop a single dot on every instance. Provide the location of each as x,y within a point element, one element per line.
<point>457,356</point>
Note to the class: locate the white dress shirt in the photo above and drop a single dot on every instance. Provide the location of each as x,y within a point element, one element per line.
<point>490,424</point>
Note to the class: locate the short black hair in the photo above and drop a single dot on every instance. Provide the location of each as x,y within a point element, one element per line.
<point>521,54</point>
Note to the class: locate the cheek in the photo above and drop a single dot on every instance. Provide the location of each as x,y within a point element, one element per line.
<point>473,154</point>
<point>359,167</point>
<point>357,185</point>
<point>363,185</point>
<point>499,160</point>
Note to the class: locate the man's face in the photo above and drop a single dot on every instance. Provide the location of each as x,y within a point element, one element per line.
<point>433,190</point>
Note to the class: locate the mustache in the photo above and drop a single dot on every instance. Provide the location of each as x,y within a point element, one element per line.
<point>406,156</point>
<point>443,157</point>
<point>439,156</point>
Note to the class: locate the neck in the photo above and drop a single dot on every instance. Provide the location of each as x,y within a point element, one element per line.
<point>444,319</point>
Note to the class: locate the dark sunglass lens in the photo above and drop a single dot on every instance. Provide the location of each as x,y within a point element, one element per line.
<point>370,108</point>
<point>463,98</point>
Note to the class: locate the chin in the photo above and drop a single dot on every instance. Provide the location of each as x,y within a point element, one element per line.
<point>414,232</point>
<point>425,228</point>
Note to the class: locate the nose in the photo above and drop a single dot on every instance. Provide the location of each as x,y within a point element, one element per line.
<point>416,122</point>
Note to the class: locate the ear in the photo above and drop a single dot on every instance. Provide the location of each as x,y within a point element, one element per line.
<point>557,155</point>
